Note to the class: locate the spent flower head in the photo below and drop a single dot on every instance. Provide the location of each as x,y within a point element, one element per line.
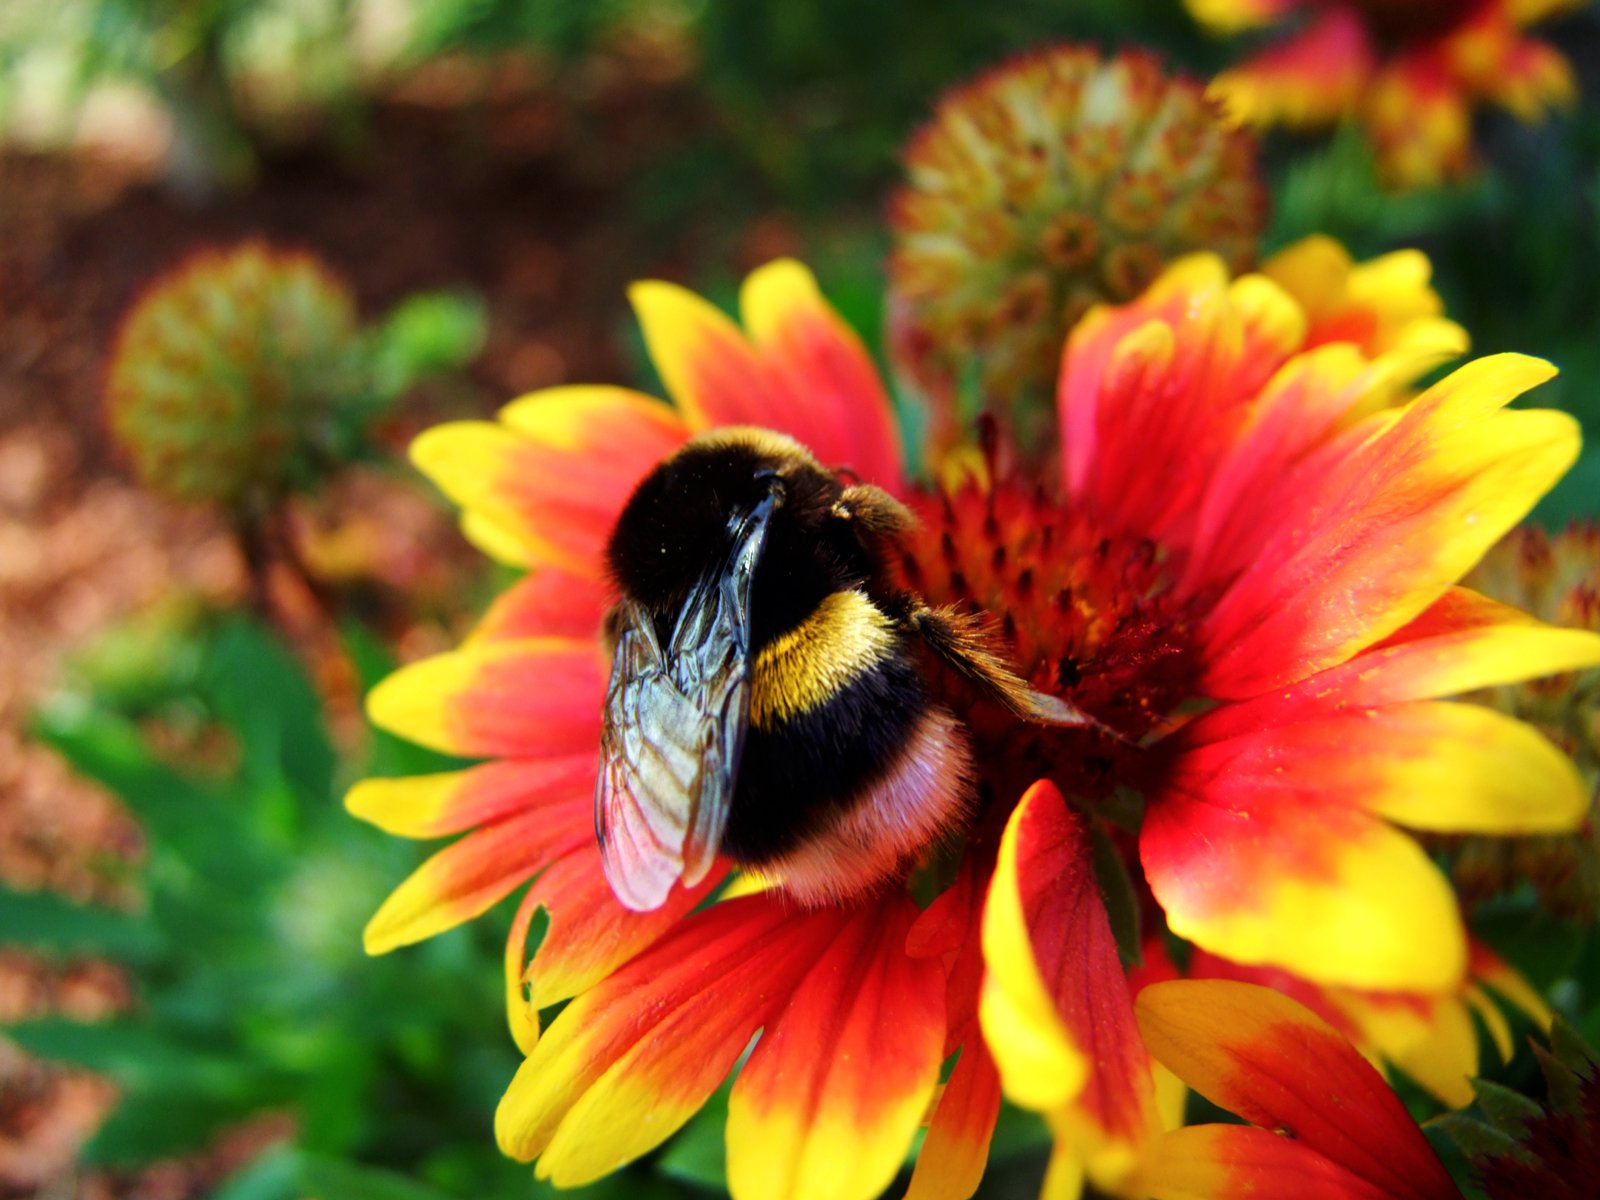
<point>1057,180</point>
<point>236,377</point>
<point>1243,564</point>
<point>245,374</point>
<point>1557,578</point>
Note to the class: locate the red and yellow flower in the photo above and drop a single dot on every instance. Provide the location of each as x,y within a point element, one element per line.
<point>1323,1125</point>
<point>1410,72</point>
<point>1248,569</point>
<point>1431,1036</point>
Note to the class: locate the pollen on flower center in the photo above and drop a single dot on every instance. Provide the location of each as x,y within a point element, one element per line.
<point>1081,613</point>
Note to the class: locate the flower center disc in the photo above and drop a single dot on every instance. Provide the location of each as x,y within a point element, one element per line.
<point>1081,613</point>
<point>1398,23</point>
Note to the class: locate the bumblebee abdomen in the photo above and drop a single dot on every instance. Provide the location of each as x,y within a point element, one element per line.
<point>833,704</point>
<point>850,770</point>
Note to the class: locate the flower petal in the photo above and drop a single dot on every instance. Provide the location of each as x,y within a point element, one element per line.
<point>468,876</point>
<point>843,1075</point>
<point>1312,78</point>
<point>1461,643</point>
<point>1428,1035</point>
<point>556,471</point>
<point>1230,16</point>
<point>1416,115</point>
<point>537,698</point>
<point>495,540</point>
<point>1432,765</point>
<point>1386,306</point>
<point>590,933</point>
<point>630,1060</point>
<point>1489,54</point>
<point>805,374</point>
<point>1379,536</point>
<point>1151,392</point>
<point>522,1017</point>
<point>1430,1038</point>
<point>1505,980</point>
<point>1223,1162</point>
<point>1261,1055</point>
<point>956,1151</point>
<point>1260,870</point>
<point>1458,768</point>
<point>429,806</point>
<point>1055,1005</point>
<point>1300,405</point>
<point>1040,1064</point>
<point>550,602</point>
<point>835,402</point>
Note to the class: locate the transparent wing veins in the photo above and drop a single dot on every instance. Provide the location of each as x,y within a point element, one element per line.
<point>674,727</point>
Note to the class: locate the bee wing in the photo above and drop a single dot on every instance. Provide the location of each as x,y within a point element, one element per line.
<point>674,726</point>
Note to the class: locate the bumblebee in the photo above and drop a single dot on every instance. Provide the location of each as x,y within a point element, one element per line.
<point>767,697</point>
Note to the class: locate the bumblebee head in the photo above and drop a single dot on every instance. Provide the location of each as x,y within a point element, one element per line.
<point>683,517</point>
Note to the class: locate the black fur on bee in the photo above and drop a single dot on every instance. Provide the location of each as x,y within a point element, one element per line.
<point>767,698</point>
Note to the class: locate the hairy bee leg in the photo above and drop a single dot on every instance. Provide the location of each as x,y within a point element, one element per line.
<point>875,511</point>
<point>962,640</point>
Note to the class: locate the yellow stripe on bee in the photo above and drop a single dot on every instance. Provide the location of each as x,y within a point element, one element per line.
<point>806,667</point>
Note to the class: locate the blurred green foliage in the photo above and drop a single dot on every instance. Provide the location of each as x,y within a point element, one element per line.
<point>250,993</point>
<point>204,61</point>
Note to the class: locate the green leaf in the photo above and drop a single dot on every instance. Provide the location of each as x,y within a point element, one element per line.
<point>173,808</point>
<point>1570,1048</point>
<point>137,1053</point>
<point>262,692</point>
<point>1476,1138</point>
<point>1018,1132</point>
<point>1505,1107</point>
<point>426,335</point>
<point>272,1176</point>
<point>146,1127</point>
<point>339,1179</point>
<point>1542,948</point>
<point>51,923</point>
<point>1577,495</point>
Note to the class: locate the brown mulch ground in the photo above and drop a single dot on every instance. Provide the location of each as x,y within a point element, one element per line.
<point>495,183</point>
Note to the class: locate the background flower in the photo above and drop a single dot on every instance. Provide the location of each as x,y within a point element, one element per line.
<point>1050,183</point>
<point>1409,73</point>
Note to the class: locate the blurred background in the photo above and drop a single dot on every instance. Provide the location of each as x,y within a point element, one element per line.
<point>187,1009</point>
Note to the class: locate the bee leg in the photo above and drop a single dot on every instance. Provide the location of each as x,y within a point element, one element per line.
<point>963,640</point>
<point>875,512</point>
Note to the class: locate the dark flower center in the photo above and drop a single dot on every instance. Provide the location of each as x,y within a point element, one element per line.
<point>1397,24</point>
<point>1081,613</point>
